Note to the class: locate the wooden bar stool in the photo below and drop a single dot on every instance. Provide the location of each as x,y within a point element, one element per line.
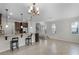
<point>28,40</point>
<point>12,42</point>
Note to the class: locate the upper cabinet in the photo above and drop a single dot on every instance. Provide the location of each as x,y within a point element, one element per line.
<point>18,26</point>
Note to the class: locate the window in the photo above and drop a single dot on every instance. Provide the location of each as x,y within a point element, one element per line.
<point>75,28</point>
<point>53,28</point>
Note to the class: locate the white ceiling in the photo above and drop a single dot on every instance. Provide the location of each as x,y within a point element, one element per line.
<point>48,11</point>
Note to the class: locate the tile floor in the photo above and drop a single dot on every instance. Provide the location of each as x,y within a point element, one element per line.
<point>46,47</point>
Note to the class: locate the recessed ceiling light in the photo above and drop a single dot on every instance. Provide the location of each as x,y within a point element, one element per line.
<point>11,13</point>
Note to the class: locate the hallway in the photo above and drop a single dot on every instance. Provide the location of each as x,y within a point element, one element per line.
<point>46,47</point>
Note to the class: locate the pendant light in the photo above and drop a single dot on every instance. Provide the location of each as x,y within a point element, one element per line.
<point>6,18</point>
<point>22,20</point>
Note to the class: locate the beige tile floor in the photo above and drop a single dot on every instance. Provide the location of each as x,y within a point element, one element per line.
<point>46,47</point>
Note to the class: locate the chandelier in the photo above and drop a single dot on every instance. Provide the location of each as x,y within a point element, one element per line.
<point>34,10</point>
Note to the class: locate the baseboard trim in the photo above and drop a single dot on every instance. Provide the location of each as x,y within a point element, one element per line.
<point>64,40</point>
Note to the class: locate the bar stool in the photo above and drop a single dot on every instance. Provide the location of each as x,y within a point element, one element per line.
<point>28,40</point>
<point>12,42</point>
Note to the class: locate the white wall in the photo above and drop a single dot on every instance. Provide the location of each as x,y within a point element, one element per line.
<point>63,30</point>
<point>11,26</point>
<point>32,29</point>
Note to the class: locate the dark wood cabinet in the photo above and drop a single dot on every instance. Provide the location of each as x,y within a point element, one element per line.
<point>36,37</point>
<point>18,25</point>
<point>25,25</point>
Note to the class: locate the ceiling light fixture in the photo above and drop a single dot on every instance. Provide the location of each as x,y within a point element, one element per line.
<point>6,17</point>
<point>22,20</point>
<point>34,10</point>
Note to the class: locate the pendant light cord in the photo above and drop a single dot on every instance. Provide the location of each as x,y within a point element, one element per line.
<point>6,15</point>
